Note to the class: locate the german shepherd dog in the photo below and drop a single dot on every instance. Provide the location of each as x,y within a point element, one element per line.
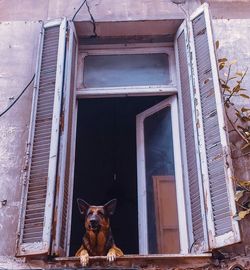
<point>98,239</point>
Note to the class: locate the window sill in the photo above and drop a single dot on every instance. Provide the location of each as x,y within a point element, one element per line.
<point>161,260</point>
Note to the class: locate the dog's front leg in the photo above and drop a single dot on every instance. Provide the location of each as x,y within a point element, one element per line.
<point>84,257</point>
<point>113,253</point>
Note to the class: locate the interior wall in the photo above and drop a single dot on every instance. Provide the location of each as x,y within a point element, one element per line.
<point>105,166</point>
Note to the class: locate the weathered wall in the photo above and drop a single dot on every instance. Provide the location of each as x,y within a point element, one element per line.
<point>18,47</point>
<point>108,10</point>
<point>233,36</point>
<point>19,30</point>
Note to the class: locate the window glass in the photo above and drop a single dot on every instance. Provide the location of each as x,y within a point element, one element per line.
<point>126,70</point>
<point>163,229</point>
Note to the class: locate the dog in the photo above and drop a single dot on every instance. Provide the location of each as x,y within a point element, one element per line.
<point>98,239</point>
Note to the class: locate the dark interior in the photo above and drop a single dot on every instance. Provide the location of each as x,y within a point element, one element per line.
<point>105,165</point>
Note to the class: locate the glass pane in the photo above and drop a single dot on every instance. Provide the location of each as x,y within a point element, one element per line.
<point>126,70</point>
<point>163,230</point>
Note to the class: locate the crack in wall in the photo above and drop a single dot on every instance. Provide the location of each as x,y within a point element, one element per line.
<point>92,19</point>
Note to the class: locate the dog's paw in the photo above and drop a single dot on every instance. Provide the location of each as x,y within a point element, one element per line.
<point>111,256</point>
<point>84,259</point>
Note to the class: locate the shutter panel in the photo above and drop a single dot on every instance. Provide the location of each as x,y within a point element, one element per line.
<point>38,193</point>
<point>214,149</point>
<point>64,202</point>
<point>194,188</point>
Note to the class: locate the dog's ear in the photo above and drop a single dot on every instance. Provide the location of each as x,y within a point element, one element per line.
<point>83,206</point>
<point>110,207</point>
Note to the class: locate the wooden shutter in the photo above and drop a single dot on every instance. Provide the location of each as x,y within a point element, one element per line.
<point>214,152</point>
<point>214,148</point>
<point>64,198</point>
<point>39,185</point>
<point>193,181</point>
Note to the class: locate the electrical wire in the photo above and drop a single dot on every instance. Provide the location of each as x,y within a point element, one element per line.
<point>78,10</point>
<point>12,104</point>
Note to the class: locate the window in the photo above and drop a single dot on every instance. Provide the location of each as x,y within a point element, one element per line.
<point>126,70</point>
<point>182,150</point>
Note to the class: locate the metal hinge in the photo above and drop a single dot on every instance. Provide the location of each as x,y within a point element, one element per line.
<point>26,163</point>
<point>62,122</point>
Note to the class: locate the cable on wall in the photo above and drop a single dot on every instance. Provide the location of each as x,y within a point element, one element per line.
<point>12,104</point>
<point>90,14</point>
<point>73,18</point>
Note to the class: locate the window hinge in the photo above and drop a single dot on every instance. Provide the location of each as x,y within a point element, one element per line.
<point>26,163</point>
<point>62,122</point>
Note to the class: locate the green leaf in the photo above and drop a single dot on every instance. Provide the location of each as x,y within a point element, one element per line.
<point>242,214</point>
<point>222,60</point>
<point>236,89</point>
<point>245,146</point>
<point>238,195</point>
<point>221,65</point>
<point>222,81</point>
<point>243,183</point>
<point>217,44</point>
<point>242,128</point>
<point>238,113</point>
<point>233,62</point>
<point>244,96</point>
<point>239,73</point>
<point>244,109</point>
<point>232,78</point>
<point>247,134</point>
<point>225,86</point>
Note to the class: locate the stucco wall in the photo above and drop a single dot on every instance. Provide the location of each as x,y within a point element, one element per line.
<point>233,36</point>
<point>102,10</point>
<point>19,30</point>
<point>18,47</point>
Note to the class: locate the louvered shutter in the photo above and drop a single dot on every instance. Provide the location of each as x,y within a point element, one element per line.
<point>193,181</point>
<point>64,198</point>
<point>215,163</point>
<point>214,149</point>
<point>40,181</point>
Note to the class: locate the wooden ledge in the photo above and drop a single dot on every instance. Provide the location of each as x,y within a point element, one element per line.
<point>140,257</point>
<point>152,261</point>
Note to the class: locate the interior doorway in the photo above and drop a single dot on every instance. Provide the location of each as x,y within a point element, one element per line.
<point>106,164</point>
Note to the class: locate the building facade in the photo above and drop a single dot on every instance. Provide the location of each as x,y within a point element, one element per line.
<point>130,100</point>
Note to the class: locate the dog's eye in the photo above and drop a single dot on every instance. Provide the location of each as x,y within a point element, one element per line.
<point>90,213</point>
<point>100,213</point>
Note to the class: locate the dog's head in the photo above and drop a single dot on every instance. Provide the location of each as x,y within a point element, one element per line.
<point>96,217</point>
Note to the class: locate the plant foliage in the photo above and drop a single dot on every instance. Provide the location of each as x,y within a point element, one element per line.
<point>238,118</point>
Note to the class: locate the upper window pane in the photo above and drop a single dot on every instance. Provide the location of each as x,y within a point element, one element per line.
<point>126,70</point>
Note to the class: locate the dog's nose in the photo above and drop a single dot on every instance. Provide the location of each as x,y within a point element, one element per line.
<point>93,222</point>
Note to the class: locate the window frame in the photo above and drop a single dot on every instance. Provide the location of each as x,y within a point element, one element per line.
<point>120,49</point>
<point>142,200</point>
<point>170,91</point>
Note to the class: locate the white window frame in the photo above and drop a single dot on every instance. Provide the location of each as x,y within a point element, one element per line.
<point>142,200</point>
<point>130,90</point>
<point>170,91</point>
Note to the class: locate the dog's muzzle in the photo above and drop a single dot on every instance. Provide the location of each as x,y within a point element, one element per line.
<point>94,224</point>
